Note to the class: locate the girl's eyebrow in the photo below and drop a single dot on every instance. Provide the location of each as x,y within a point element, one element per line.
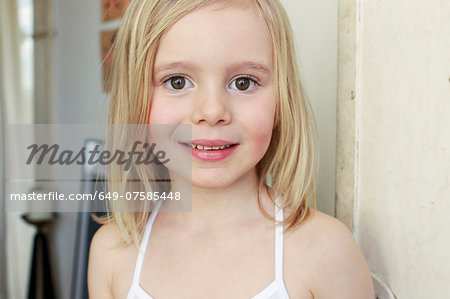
<point>174,65</point>
<point>259,67</point>
<point>255,66</point>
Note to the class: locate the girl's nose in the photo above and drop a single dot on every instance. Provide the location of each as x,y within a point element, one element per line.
<point>211,107</point>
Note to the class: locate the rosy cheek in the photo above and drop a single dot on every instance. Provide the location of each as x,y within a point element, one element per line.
<point>261,134</point>
<point>167,112</point>
<point>158,111</point>
<point>153,116</point>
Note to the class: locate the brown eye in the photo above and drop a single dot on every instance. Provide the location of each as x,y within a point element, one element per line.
<point>177,82</point>
<point>242,83</point>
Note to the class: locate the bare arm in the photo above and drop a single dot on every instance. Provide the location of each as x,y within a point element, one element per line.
<point>342,270</point>
<point>99,267</point>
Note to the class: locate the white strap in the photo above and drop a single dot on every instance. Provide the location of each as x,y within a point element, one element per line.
<point>144,243</point>
<point>278,241</point>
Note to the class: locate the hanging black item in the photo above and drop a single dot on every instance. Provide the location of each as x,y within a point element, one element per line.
<point>40,283</point>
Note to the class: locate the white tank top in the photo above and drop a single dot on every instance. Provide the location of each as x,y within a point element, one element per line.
<point>275,290</point>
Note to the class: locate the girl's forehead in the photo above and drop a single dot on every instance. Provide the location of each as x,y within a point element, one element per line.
<point>216,32</point>
<point>228,13</point>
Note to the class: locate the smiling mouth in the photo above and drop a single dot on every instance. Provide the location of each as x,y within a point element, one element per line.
<point>208,148</point>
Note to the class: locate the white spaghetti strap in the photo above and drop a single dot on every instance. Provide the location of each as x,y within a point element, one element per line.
<point>279,242</point>
<point>275,290</point>
<point>144,243</point>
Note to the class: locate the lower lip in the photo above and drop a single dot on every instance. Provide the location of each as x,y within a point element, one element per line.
<point>210,155</point>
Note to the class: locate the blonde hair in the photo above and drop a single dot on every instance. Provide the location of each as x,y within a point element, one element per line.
<point>290,160</point>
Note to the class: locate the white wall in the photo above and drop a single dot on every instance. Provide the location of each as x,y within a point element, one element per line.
<point>394,56</point>
<point>77,62</point>
<point>78,99</point>
<point>315,26</point>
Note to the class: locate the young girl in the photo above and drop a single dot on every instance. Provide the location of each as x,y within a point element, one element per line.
<point>228,69</point>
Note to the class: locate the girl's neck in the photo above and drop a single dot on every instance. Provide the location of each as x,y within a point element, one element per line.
<point>219,207</point>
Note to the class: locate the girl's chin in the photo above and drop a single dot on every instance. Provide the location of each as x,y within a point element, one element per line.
<point>211,182</point>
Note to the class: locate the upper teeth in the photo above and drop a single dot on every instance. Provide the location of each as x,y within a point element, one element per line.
<point>208,148</point>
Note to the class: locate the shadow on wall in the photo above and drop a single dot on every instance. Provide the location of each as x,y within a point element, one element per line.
<point>2,214</point>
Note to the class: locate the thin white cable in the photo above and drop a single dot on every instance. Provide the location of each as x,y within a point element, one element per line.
<point>382,289</point>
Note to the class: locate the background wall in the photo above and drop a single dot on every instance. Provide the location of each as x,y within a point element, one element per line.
<point>393,186</point>
<point>315,26</point>
<point>78,99</point>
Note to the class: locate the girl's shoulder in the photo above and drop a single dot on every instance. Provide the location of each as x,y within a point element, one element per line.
<point>106,255</point>
<point>325,256</point>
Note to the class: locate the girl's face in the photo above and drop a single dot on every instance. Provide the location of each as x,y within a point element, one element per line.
<point>214,70</point>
